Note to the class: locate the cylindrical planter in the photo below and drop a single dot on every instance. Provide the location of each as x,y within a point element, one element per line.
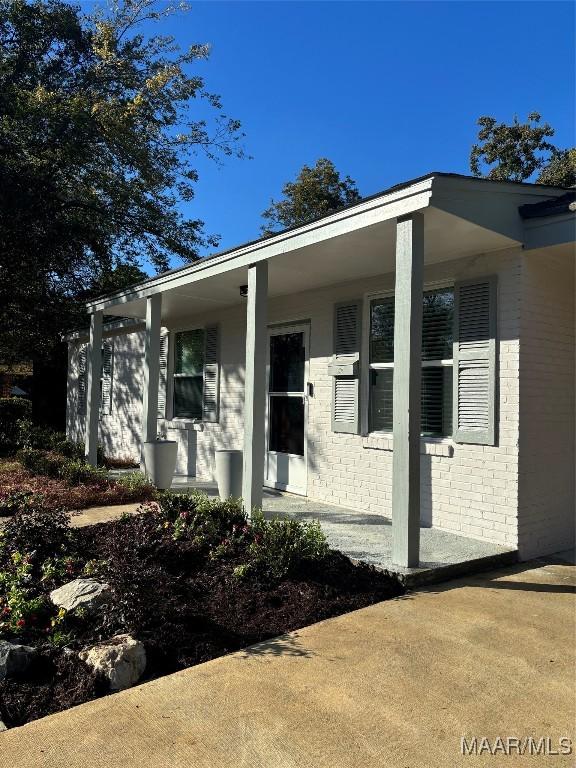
<point>160,461</point>
<point>229,474</point>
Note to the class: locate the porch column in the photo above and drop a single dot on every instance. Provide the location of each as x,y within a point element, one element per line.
<point>255,386</point>
<point>151,370</point>
<point>93,373</point>
<point>406,390</point>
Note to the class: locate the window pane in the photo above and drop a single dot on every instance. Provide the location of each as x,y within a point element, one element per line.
<point>437,317</point>
<point>189,352</point>
<point>382,330</point>
<point>188,396</point>
<point>287,425</point>
<point>287,362</point>
<point>381,400</point>
<point>437,401</point>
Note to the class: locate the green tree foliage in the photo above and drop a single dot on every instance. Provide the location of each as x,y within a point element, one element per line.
<point>561,169</point>
<point>99,125</point>
<point>316,192</point>
<point>518,151</point>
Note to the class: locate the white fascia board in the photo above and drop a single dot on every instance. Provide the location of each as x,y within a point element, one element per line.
<point>389,206</point>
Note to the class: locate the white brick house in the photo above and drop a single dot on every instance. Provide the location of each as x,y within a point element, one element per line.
<point>410,356</point>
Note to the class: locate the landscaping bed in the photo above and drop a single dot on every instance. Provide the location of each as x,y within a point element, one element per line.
<point>188,579</point>
<point>88,488</point>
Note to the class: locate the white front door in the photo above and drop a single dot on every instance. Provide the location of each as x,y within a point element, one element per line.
<point>287,409</point>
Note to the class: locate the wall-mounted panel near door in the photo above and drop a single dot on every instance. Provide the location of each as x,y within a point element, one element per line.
<point>287,408</point>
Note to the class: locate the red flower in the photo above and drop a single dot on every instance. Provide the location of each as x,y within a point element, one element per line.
<point>20,623</point>
<point>5,610</point>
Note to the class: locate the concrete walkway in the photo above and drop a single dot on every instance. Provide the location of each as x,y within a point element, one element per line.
<point>395,685</point>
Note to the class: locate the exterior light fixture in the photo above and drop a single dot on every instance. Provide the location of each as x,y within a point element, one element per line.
<point>244,291</point>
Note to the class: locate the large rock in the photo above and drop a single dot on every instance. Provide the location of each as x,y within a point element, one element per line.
<point>122,660</point>
<point>14,658</point>
<point>81,593</point>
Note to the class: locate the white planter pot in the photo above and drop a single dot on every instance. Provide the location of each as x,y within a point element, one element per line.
<point>160,461</point>
<point>229,474</point>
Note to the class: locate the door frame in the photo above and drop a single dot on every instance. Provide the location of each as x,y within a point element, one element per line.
<point>278,329</point>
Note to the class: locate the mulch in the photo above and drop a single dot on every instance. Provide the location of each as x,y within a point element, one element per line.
<point>186,608</point>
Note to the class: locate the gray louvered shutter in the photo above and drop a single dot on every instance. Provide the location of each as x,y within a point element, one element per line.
<point>82,378</point>
<point>345,367</point>
<point>163,376</point>
<point>107,365</point>
<point>475,361</point>
<point>210,395</point>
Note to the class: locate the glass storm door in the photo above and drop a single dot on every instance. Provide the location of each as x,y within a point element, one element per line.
<point>287,409</point>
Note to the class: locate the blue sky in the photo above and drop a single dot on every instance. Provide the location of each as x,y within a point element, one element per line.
<point>387,90</point>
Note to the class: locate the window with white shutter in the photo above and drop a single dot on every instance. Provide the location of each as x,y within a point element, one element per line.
<point>196,374</point>
<point>345,367</point>
<point>437,342</point>
<point>475,361</point>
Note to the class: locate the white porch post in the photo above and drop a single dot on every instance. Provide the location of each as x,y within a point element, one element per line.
<point>255,386</point>
<point>151,370</point>
<point>93,372</point>
<point>406,390</point>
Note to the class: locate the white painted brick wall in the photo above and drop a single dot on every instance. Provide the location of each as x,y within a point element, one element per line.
<point>547,404</point>
<point>471,490</point>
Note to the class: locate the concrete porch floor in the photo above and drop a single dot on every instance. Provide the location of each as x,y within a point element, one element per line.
<point>368,537</point>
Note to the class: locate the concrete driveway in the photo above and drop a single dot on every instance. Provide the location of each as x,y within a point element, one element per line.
<point>395,685</point>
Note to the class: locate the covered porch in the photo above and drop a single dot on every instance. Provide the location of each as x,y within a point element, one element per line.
<point>427,222</point>
<point>368,537</point>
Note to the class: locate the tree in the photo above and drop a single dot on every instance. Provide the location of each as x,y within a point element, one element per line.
<point>97,140</point>
<point>316,192</point>
<point>516,152</point>
<point>561,169</point>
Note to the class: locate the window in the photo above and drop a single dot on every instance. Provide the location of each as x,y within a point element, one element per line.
<point>188,374</point>
<point>437,336</point>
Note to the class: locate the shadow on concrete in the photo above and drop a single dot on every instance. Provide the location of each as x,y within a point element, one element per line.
<point>285,645</point>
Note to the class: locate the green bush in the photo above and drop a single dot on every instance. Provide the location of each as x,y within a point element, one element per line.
<point>40,532</point>
<point>196,516</point>
<point>78,472</point>
<point>16,501</point>
<point>13,410</point>
<point>280,546</point>
<point>41,462</point>
<point>44,438</point>
<point>134,482</point>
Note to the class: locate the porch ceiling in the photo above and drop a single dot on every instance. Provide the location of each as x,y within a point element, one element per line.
<point>362,253</point>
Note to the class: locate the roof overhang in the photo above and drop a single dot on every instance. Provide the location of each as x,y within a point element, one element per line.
<point>462,216</point>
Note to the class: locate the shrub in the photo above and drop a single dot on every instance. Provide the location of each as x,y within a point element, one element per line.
<point>196,516</point>
<point>13,410</point>
<point>46,439</point>
<point>136,485</point>
<point>78,472</point>
<point>35,530</point>
<point>17,501</point>
<point>21,606</point>
<point>279,546</point>
<point>41,462</point>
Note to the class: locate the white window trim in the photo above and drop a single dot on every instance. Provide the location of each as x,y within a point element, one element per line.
<point>366,367</point>
<point>170,417</point>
